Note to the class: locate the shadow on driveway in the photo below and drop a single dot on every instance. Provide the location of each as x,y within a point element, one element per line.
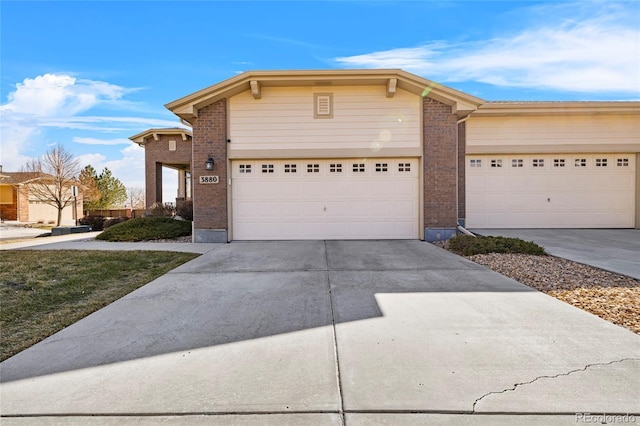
<point>327,327</point>
<point>244,291</point>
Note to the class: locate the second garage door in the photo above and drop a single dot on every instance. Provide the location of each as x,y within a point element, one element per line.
<point>325,199</point>
<point>551,191</point>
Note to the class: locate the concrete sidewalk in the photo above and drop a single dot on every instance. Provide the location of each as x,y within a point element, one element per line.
<point>87,241</point>
<point>327,333</point>
<point>615,250</point>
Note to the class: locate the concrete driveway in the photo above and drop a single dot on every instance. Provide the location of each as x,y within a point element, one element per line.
<point>328,333</point>
<point>615,250</point>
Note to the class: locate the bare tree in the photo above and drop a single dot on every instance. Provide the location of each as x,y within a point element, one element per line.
<point>54,175</point>
<point>135,197</point>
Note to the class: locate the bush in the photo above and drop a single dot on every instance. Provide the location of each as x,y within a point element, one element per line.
<point>95,222</point>
<point>146,228</point>
<point>185,210</point>
<point>114,221</point>
<point>467,245</point>
<point>162,210</point>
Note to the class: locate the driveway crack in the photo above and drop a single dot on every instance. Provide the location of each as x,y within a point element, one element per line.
<point>335,338</point>
<point>577,370</point>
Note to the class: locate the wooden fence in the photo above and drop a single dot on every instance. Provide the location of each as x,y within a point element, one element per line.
<point>130,213</point>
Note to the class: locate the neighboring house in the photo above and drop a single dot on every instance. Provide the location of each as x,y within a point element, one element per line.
<point>17,202</point>
<point>385,154</point>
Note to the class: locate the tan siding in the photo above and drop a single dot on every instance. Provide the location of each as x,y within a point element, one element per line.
<point>363,118</point>
<point>44,213</point>
<point>602,133</point>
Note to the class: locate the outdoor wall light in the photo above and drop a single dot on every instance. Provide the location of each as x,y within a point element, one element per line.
<point>209,163</point>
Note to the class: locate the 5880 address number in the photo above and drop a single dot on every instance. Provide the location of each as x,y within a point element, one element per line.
<point>209,179</point>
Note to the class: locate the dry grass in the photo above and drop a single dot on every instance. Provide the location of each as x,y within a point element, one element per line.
<point>44,291</point>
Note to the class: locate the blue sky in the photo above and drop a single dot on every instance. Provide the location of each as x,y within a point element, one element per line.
<point>89,74</point>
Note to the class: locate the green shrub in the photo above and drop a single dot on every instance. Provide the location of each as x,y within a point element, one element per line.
<point>467,245</point>
<point>147,228</point>
<point>95,222</point>
<point>114,221</point>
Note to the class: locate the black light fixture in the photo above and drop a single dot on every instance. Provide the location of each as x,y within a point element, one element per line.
<point>209,163</point>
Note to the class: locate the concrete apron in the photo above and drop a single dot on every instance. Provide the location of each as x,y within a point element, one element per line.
<point>615,250</point>
<point>313,332</point>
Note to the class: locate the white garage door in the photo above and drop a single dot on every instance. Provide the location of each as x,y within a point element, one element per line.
<point>551,191</point>
<point>325,199</point>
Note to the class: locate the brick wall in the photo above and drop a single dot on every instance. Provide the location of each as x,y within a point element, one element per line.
<point>157,153</point>
<point>440,165</point>
<point>210,138</point>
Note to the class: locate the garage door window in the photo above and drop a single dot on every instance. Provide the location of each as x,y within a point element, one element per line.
<point>558,162</point>
<point>290,168</point>
<point>580,162</point>
<point>475,163</point>
<point>517,162</point>
<point>358,167</point>
<point>601,162</point>
<point>496,163</point>
<point>267,168</point>
<point>538,162</point>
<point>244,168</point>
<point>382,167</point>
<point>623,162</point>
<point>335,168</point>
<point>313,168</point>
<point>404,167</point>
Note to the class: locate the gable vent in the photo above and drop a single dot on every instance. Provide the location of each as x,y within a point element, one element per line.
<point>323,105</point>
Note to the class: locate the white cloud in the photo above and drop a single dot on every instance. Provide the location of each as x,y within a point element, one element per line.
<point>58,95</point>
<point>97,161</point>
<point>596,54</point>
<point>56,102</point>
<point>129,169</point>
<point>96,141</point>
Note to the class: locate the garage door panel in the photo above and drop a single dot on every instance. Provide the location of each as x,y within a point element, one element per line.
<point>336,199</point>
<point>383,208</point>
<point>496,182</point>
<point>403,209</point>
<point>588,191</point>
<point>515,201</point>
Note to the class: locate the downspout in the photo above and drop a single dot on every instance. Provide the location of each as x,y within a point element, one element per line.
<point>463,119</point>
<point>465,231</point>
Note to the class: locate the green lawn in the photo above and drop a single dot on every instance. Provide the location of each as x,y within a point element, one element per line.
<point>41,292</point>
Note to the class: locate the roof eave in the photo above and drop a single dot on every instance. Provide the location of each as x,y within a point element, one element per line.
<point>142,138</point>
<point>500,109</point>
<point>187,107</point>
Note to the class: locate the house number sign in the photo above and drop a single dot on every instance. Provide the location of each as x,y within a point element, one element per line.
<point>209,179</point>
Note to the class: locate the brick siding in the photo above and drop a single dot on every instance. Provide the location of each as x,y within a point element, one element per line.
<point>210,138</point>
<point>157,153</point>
<point>440,165</point>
